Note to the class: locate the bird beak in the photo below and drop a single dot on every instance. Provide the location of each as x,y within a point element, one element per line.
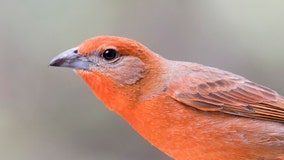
<point>71,59</point>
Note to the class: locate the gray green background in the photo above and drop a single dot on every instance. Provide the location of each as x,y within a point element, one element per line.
<point>49,113</point>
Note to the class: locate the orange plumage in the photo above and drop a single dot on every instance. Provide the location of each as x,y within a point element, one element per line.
<point>187,110</point>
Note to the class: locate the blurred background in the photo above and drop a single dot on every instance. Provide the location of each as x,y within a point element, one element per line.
<point>50,113</point>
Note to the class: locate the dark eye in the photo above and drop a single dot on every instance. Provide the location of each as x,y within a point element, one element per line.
<point>110,54</point>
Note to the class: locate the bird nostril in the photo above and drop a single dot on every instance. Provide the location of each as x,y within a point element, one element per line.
<point>75,51</point>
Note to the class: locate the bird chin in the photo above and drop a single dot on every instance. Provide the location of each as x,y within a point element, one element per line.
<point>82,71</point>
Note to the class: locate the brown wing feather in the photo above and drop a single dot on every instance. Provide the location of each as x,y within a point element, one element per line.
<point>210,89</point>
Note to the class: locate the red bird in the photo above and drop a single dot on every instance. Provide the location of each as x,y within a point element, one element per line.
<point>187,110</point>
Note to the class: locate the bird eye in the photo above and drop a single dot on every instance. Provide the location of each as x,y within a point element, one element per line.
<point>110,54</point>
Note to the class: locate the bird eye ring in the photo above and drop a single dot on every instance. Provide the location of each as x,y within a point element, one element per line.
<point>110,54</point>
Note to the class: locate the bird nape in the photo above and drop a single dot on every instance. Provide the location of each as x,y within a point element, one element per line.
<point>187,110</point>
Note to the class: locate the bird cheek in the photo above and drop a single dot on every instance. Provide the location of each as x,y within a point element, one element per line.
<point>128,72</point>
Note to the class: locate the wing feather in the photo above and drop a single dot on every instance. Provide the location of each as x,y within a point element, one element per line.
<point>211,89</point>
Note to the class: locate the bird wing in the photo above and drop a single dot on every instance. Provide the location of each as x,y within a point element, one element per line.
<point>211,89</point>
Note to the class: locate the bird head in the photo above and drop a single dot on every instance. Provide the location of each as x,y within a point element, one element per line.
<point>115,68</point>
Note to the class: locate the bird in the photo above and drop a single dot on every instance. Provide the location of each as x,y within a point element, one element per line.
<point>187,110</point>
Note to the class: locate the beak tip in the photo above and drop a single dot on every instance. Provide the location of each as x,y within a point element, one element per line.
<point>54,62</point>
<point>70,59</point>
<point>51,63</point>
<point>60,59</point>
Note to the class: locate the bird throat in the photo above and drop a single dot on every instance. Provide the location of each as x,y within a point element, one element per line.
<point>107,91</point>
